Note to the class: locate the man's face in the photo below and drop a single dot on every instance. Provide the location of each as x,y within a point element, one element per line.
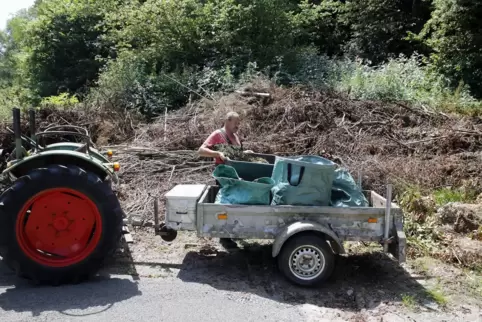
<point>233,125</point>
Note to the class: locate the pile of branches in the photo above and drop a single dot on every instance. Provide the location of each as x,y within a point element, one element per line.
<point>104,126</point>
<point>148,173</point>
<point>387,142</point>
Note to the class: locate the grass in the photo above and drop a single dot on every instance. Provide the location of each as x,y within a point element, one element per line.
<point>409,301</point>
<point>473,282</point>
<point>445,195</point>
<point>437,295</point>
<point>422,265</point>
<point>421,223</point>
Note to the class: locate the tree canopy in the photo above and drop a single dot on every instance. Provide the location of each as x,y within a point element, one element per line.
<point>76,46</point>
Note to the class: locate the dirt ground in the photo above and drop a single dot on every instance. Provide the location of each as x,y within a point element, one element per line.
<point>366,284</point>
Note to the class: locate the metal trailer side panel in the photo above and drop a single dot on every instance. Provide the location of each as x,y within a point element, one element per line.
<point>266,222</point>
<point>258,222</point>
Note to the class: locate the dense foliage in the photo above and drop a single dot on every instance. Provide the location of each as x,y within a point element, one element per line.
<point>64,45</point>
<point>151,54</point>
<point>455,34</point>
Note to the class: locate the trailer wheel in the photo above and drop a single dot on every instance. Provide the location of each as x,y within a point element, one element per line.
<point>58,224</point>
<point>306,260</point>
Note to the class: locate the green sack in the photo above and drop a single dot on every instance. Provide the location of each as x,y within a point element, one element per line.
<point>225,171</point>
<point>345,191</point>
<point>236,191</point>
<point>302,181</point>
<point>286,194</point>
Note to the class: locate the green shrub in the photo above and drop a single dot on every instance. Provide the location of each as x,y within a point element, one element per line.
<point>400,79</point>
<point>63,44</point>
<point>378,29</point>
<point>63,100</point>
<point>463,194</point>
<point>454,34</point>
<point>212,33</point>
<point>403,79</point>
<point>129,83</point>
<point>322,26</point>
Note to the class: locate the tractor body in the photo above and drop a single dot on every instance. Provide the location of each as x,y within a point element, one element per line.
<point>64,153</point>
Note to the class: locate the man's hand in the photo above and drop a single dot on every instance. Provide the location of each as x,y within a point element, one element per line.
<point>222,156</point>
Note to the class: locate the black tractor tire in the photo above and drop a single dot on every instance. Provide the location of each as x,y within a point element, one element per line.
<point>90,185</point>
<point>315,247</point>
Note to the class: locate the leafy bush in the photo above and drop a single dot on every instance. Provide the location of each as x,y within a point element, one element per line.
<point>212,33</point>
<point>129,83</point>
<point>63,44</point>
<point>379,28</point>
<point>400,79</point>
<point>59,101</point>
<point>12,96</point>
<point>154,54</point>
<point>454,33</point>
<point>310,69</point>
<point>322,25</point>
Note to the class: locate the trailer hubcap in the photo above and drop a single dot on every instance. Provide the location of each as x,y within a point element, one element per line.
<point>307,262</point>
<point>59,227</point>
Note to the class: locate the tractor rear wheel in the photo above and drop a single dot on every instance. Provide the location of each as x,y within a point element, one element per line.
<point>58,224</point>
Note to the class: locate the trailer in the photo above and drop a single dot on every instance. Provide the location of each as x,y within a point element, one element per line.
<point>306,239</point>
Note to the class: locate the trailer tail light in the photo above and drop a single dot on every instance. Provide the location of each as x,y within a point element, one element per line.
<point>372,220</point>
<point>116,166</point>
<point>223,216</point>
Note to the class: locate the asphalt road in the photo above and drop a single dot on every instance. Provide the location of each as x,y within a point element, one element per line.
<point>237,286</point>
<point>121,298</point>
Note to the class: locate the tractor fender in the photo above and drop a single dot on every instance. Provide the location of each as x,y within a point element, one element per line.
<point>63,157</point>
<point>307,226</point>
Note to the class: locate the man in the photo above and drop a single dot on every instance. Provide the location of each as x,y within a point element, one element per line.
<point>226,135</point>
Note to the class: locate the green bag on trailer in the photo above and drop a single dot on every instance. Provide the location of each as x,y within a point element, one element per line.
<point>344,191</point>
<point>236,191</point>
<point>302,181</point>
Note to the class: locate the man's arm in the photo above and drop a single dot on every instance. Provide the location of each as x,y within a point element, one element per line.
<point>208,153</point>
<point>205,149</point>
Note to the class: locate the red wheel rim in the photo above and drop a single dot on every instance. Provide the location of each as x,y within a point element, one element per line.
<point>59,227</point>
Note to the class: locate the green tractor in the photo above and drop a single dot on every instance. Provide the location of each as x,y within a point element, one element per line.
<point>59,217</point>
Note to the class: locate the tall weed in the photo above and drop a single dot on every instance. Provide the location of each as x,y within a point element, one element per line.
<point>400,79</point>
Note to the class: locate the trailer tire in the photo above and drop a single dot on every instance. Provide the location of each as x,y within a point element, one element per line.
<point>306,260</point>
<point>58,224</point>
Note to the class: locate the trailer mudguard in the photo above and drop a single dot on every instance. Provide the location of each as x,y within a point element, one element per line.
<point>307,226</point>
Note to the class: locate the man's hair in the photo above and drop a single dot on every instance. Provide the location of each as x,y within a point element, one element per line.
<point>231,115</point>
